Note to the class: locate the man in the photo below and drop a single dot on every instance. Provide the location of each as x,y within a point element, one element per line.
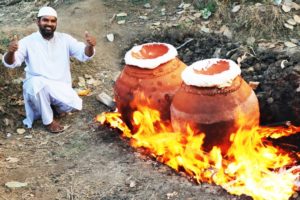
<point>48,83</point>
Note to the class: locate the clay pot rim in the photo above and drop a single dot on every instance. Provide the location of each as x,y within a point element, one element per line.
<point>150,63</point>
<point>220,80</point>
<point>213,91</point>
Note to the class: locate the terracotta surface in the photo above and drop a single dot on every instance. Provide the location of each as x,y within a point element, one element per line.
<point>158,85</point>
<point>215,111</point>
<point>151,51</point>
<point>214,69</point>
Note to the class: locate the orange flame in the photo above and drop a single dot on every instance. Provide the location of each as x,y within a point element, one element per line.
<point>250,167</point>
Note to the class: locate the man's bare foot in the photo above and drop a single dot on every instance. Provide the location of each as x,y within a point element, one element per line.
<point>55,127</point>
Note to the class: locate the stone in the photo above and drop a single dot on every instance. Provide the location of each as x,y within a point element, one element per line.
<point>15,184</point>
<point>110,37</point>
<point>106,99</point>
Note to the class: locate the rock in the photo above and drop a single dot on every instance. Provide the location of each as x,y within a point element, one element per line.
<point>270,100</point>
<point>8,135</point>
<point>147,5</point>
<point>106,100</point>
<point>110,37</point>
<point>132,184</point>
<point>15,184</point>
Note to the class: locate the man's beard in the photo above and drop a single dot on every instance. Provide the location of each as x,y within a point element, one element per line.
<point>46,32</point>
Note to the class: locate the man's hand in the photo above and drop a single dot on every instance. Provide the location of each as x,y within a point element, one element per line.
<point>90,40</point>
<point>90,43</point>
<point>13,45</point>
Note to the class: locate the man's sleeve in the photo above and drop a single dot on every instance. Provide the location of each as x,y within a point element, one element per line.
<point>77,49</point>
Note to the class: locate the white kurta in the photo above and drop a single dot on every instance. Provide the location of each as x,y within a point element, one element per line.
<point>48,77</point>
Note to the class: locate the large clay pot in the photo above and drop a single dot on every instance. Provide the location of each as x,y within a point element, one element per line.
<point>213,99</point>
<point>154,70</point>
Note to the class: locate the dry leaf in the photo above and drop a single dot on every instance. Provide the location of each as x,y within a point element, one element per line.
<point>240,59</point>
<point>205,29</point>
<point>289,44</point>
<point>12,160</point>
<point>15,184</point>
<point>81,82</point>
<point>250,40</point>
<point>282,64</point>
<point>122,14</point>
<point>294,5</point>
<point>171,195</point>
<point>21,131</point>
<point>28,136</point>
<point>236,8</point>
<point>291,22</point>
<point>88,76</point>
<point>156,23</point>
<point>254,84</point>
<point>197,15</point>
<point>297,18</point>
<point>228,33</point>
<point>121,22</point>
<point>83,92</point>
<point>143,17</point>
<point>288,26</point>
<point>286,8</point>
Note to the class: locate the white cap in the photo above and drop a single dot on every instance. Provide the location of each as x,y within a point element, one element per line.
<point>149,63</point>
<point>220,79</point>
<point>47,11</point>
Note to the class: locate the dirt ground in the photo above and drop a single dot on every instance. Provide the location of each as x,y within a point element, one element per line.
<point>87,161</point>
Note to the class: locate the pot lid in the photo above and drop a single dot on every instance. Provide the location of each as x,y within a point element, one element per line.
<point>213,72</point>
<point>150,55</point>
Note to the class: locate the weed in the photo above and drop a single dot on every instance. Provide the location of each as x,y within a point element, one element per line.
<point>138,1</point>
<point>162,2</point>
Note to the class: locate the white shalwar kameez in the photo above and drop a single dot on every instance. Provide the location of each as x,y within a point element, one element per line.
<point>48,77</point>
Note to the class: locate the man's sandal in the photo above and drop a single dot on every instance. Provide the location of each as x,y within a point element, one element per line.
<point>55,127</point>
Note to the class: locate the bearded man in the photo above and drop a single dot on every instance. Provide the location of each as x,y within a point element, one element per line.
<point>47,88</point>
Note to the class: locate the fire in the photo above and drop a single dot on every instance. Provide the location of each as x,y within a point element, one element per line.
<point>251,166</point>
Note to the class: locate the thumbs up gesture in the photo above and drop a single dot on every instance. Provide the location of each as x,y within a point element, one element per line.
<point>90,40</point>
<point>13,45</point>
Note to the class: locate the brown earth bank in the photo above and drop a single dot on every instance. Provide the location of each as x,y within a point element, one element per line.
<point>89,161</point>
